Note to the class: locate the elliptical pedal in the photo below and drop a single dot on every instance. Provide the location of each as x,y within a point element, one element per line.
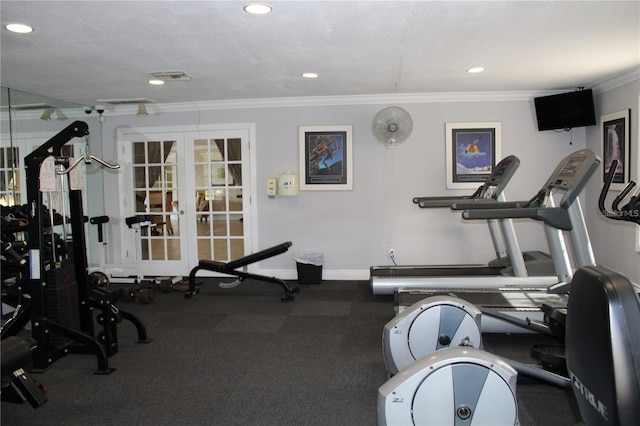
<point>551,357</point>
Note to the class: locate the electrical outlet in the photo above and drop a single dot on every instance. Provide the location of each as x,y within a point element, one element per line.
<point>392,252</point>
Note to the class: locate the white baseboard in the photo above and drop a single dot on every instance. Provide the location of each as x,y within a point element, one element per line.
<point>327,274</point>
<point>285,274</point>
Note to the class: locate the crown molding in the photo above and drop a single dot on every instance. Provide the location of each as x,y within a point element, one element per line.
<point>375,99</point>
<point>315,101</point>
<point>617,81</point>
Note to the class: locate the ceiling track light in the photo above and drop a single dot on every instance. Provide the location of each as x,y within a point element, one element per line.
<point>142,110</point>
<point>46,114</point>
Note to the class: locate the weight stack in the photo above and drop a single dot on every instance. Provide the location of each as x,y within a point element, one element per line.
<point>62,300</point>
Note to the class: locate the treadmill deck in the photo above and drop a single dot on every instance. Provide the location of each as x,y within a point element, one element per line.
<point>522,304</point>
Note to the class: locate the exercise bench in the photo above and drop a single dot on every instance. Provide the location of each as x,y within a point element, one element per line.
<point>231,268</point>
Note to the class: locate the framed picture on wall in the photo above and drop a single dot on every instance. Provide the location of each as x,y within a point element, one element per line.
<point>471,153</point>
<point>614,130</point>
<point>637,150</point>
<point>326,158</point>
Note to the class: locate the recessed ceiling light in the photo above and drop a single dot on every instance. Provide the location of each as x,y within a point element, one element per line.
<point>309,75</point>
<point>156,82</point>
<point>19,28</point>
<point>475,70</point>
<point>257,8</point>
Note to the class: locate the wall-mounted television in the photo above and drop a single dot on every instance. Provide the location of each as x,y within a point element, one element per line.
<point>565,110</point>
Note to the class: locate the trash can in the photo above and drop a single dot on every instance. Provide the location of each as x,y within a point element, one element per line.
<point>309,267</point>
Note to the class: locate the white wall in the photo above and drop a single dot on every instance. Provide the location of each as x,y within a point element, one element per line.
<point>353,228</point>
<point>615,242</point>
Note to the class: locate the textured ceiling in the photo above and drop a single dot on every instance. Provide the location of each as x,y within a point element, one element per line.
<point>87,51</point>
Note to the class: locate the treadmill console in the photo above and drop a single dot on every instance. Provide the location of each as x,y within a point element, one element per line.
<point>572,175</point>
<point>502,168</point>
<point>502,174</point>
<point>572,166</point>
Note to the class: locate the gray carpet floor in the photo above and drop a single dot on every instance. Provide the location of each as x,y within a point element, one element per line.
<point>242,357</point>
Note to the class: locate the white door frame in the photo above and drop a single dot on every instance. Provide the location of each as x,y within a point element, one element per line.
<point>125,135</point>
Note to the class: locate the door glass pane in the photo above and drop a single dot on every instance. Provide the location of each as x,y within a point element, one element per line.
<point>140,177</point>
<point>218,192</point>
<point>204,249</point>
<point>157,249</point>
<point>9,176</point>
<point>236,225</point>
<point>220,225</point>
<point>234,148</point>
<point>155,178</point>
<point>154,153</point>
<point>201,151</point>
<point>138,153</point>
<point>219,200</point>
<point>235,199</point>
<point>220,249</point>
<point>235,174</point>
<point>219,177</point>
<point>237,248</point>
<point>217,148</point>
<point>202,175</point>
<point>156,186</point>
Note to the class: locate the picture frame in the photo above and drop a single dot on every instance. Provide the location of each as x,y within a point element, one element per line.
<point>637,149</point>
<point>615,143</point>
<point>326,158</point>
<point>472,151</point>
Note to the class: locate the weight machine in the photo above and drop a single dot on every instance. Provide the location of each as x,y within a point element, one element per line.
<point>61,299</point>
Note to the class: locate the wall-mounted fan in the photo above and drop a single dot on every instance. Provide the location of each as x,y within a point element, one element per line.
<point>392,126</point>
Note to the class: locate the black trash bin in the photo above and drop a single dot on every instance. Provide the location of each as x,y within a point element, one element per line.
<point>309,267</point>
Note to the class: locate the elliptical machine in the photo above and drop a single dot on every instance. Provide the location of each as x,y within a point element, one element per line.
<point>462,385</point>
<point>629,212</point>
<point>469,386</point>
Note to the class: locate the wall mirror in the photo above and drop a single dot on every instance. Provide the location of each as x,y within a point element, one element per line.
<point>26,121</point>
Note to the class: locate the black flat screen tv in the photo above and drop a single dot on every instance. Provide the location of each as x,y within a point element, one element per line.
<point>565,110</point>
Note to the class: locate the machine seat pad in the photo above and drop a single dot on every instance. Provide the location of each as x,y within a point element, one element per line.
<point>16,353</point>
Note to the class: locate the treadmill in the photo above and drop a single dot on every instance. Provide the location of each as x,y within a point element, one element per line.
<point>568,179</point>
<point>502,233</point>
<point>511,310</point>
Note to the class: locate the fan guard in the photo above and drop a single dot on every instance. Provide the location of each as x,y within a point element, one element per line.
<point>392,126</point>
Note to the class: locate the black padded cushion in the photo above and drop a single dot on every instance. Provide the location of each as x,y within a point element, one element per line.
<point>213,265</point>
<point>16,353</point>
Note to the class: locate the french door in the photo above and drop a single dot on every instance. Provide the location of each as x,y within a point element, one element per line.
<point>192,188</point>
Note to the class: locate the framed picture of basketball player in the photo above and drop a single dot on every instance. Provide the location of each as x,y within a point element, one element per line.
<point>614,129</point>
<point>472,150</point>
<point>326,158</point>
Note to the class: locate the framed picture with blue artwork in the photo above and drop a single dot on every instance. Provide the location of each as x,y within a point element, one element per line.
<point>326,158</point>
<point>472,150</point>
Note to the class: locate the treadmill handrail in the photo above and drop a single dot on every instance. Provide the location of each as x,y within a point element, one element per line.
<point>556,217</point>
<point>438,202</point>
<point>418,200</point>
<point>502,174</point>
<point>487,204</point>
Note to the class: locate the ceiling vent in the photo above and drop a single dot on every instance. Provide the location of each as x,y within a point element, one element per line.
<point>171,75</point>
